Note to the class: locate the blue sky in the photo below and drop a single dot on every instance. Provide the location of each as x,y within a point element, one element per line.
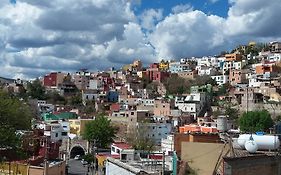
<point>219,7</point>
<point>42,36</point>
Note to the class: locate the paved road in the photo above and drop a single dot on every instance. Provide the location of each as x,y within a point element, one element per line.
<point>75,167</point>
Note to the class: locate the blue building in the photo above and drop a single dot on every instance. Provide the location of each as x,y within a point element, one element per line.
<point>112,96</point>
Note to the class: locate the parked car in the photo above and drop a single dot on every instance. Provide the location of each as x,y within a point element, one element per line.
<point>84,162</point>
<point>77,157</point>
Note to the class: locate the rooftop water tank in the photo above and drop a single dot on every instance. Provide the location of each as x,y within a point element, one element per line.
<point>183,61</point>
<point>264,142</point>
<point>251,146</point>
<point>222,123</point>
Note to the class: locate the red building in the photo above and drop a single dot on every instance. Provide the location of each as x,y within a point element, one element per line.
<point>53,79</point>
<point>50,80</point>
<point>154,74</point>
<point>115,107</point>
<point>154,65</point>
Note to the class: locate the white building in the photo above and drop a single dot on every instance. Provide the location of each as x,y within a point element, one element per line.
<point>118,147</point>
<point>220,79</point>
<point>167,145</point>
<point>95,84</point>
<point>203,70</point>
<point>210,61</point>
<point>192,103</point>
<point>274,57</point>
<point>56,131</point>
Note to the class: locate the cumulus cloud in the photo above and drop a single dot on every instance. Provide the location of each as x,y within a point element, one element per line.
<point>182,8</point>
<point>150,17</point>
<point>187,34</point>
<point>64,35</point>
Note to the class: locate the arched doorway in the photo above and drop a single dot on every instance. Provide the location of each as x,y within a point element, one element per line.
<point>77,150</point>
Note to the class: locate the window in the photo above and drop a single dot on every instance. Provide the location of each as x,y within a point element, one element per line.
<point>113,149</point>
<point>132,113</point>
<point>57,134</point>
<point>64,133</point>
<point>118,151</point>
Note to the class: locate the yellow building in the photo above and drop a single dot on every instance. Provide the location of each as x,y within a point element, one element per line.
<point>13,169</point>
<point>275,97</point>
<point>163,65</point>
<point>77,126</point>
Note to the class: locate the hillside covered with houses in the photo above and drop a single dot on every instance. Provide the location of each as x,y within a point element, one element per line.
<point>166,114</point>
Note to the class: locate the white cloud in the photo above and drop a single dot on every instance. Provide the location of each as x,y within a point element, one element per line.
<point>41,36</point>
<point>187,34</point>
<point>150,17</point>
<point>182,8</point>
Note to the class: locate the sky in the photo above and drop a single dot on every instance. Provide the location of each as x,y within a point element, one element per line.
<point>38,37</point>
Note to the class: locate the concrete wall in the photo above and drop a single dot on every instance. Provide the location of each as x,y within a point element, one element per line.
<point>113,169</point>
<point>201,157</point>
<point>253,165</point>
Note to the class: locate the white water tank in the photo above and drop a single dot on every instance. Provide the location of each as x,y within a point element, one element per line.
<point>264,142</point>
<point>183,61</point>
<point>222,123</point>
<point>251,146</point>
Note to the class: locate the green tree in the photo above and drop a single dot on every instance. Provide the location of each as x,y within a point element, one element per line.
<point>36,90</point>
<point>101,130</point>
<point>177,85</point>
<point>14,115</point>
<point>203,80</point>
<point>55,98</point>
<point>254,121</point>
<point>76,100</point>
<point>232,113</point>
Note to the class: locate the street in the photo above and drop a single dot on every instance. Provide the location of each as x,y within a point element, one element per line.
<point>75,167</point>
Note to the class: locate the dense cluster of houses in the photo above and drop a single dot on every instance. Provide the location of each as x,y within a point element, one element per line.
<point>252,82</point>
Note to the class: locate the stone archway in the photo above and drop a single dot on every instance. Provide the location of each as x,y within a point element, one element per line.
<point>77,150</point>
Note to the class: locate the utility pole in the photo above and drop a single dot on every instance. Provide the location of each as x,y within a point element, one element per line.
<point>46,166</point>
<point>94,161</point>
<point>163,163</point>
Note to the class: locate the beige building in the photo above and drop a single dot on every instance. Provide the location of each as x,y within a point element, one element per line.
<point>14,168</point>
<point>162,108</point>
<point>202,157</point>
<point>187,74</point>
<point>77,126</point>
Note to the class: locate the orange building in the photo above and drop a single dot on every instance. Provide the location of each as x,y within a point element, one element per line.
<point>237,76</point>
<point>233,57</point>
<point>263,68</point>
<point>196,128</point>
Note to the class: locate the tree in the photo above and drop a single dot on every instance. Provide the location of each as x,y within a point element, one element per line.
<point>177,85</point>
<point>55,98</point>
<point>14,115</point>
<point>254,121</point>
<point>36,90</point>
<point>139,140</point>
<point>101,130</point>
<point>232,113</point>
<point>76,100</point>
<point>203,80</point>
